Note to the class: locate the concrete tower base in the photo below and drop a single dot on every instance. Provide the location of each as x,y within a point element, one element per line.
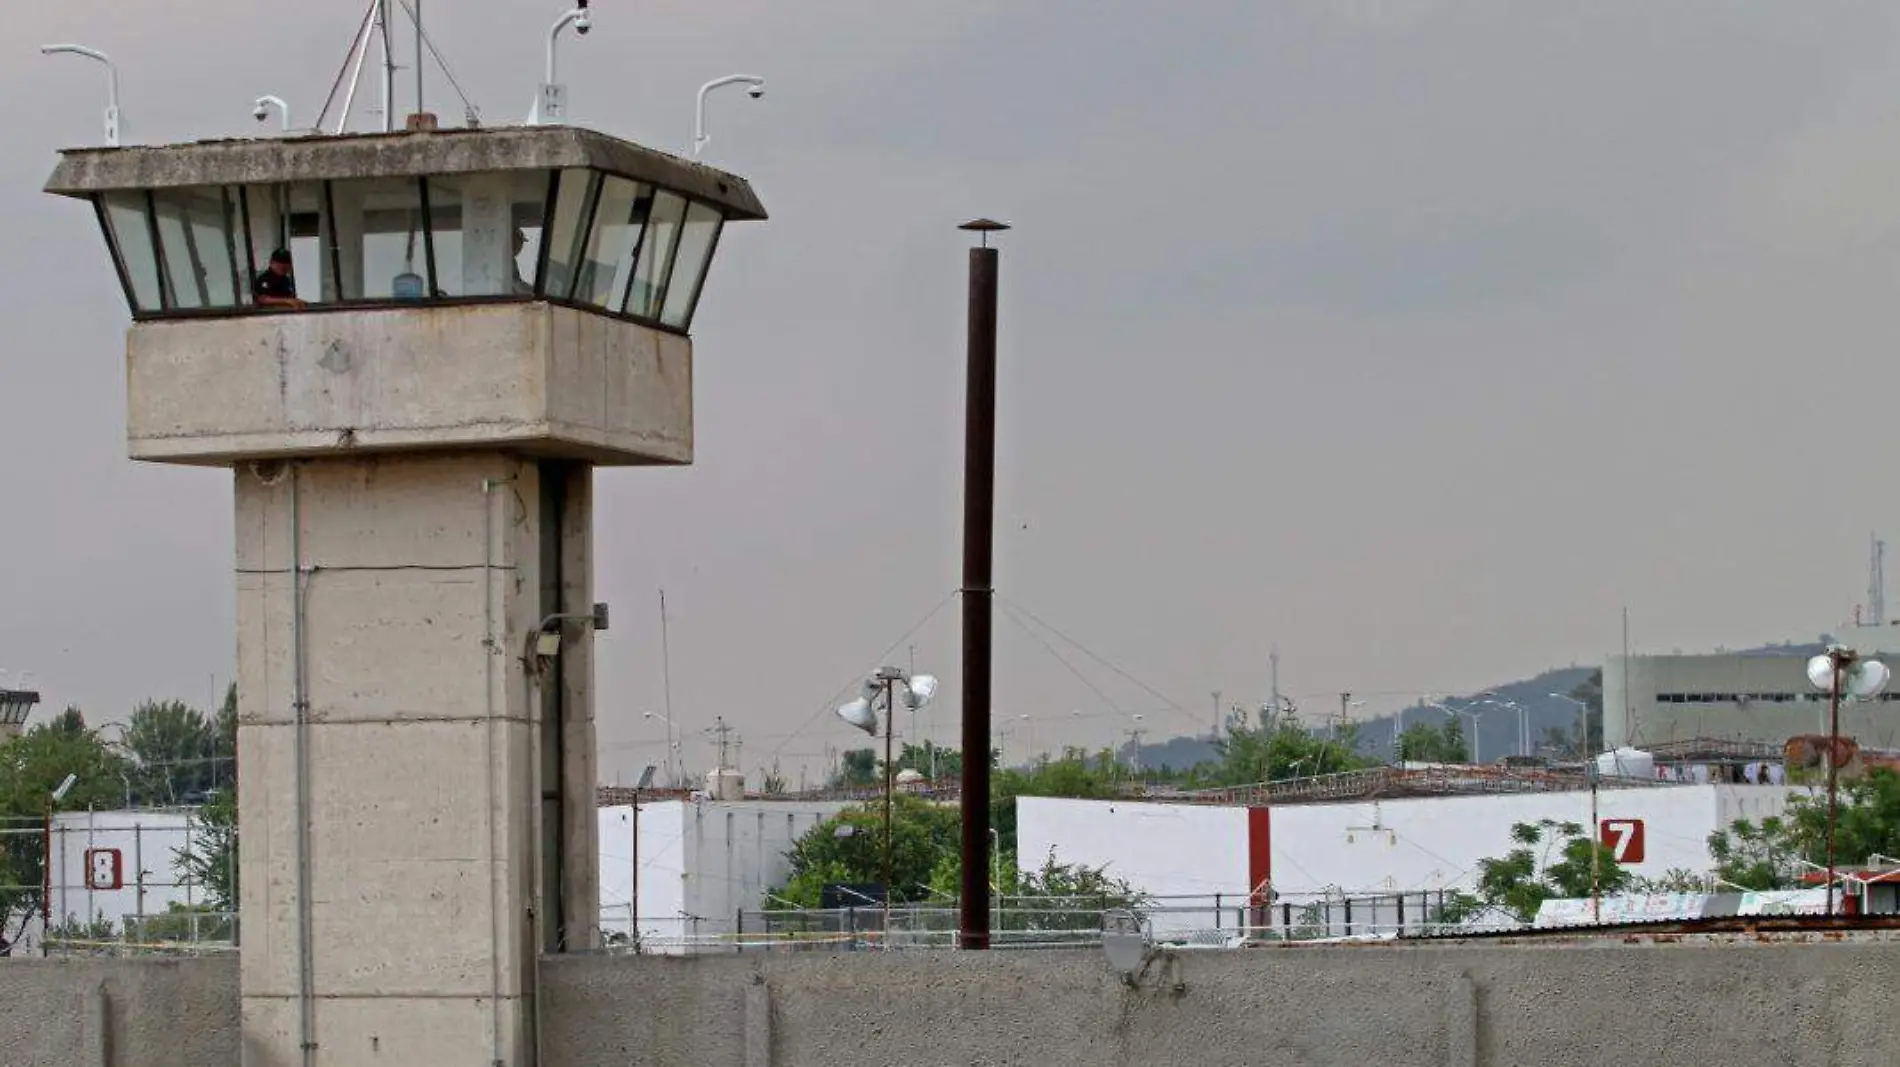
<point>416,782</point>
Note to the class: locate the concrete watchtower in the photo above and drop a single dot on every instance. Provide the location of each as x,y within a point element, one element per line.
<point>489,315</point>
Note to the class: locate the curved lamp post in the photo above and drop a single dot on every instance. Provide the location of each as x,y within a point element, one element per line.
<point>112,82</point>
<point>1841,671</point>
<point>700,136</point>
<point>550,105</point>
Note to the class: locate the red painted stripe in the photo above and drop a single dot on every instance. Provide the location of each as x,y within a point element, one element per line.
<point>1259,853</point>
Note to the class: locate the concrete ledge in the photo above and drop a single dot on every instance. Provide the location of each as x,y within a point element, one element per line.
<point>529,377</point>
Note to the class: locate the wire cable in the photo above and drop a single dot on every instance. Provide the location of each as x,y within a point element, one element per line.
<point>857,678</point>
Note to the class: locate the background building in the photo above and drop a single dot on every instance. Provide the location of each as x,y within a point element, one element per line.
<point>1737,696</point>
<point>697,864</point>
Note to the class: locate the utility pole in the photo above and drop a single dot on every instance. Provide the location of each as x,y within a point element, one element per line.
<point>979,590</point>
<point>1216,734</point>
<point>1134,750</point>
<point>1345,709</point>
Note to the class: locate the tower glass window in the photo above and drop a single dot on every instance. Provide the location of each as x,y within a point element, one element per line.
<point>604,226</point>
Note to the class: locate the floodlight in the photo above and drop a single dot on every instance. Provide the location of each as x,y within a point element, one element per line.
<point>1866,678</point>
<point>1821,672</point>
<point>859,714</point>
<point>921,688</point>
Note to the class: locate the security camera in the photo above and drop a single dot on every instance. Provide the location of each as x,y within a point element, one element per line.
<point>756,92</point>
<point>583,24</point>
<point>260,112</point>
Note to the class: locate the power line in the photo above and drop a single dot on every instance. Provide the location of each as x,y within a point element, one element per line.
<point>858,677</point>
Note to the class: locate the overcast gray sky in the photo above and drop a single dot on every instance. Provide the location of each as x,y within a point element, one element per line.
<point>1415,336</point>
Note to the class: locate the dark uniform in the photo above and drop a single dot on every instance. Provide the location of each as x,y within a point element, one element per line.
<point>271,283</point>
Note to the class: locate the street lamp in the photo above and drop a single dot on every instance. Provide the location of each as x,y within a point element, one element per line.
<point>46,863</point>
<point>862,713</point>
<point>1839,671</point>
<point>1583,724</point>
<point>550,105</point>
<point>700,136</point>
<point>1470,717</point>
<point>112,82</point>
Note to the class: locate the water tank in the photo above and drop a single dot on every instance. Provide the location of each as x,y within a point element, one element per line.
<point>1626,763</point>
<point>725,784</point>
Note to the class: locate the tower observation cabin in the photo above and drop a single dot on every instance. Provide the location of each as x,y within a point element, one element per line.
<point>561,267</point>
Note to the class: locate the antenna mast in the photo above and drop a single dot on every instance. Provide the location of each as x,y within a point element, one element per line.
<point>1877,584</point>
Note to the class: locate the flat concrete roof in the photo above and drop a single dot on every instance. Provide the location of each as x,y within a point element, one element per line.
<point>84,171</point>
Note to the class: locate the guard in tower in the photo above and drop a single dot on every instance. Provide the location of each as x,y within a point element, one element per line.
<point>275,285</point>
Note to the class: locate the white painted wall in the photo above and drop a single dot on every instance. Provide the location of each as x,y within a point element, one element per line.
<point>147,841</point>
<point>1183,855</point>
<point>1433,843</point>
<point>700,863</point>
<point>1436,843</point>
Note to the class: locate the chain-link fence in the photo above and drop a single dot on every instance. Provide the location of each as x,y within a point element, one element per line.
<point>111,883</point>
<point>1206,921</point>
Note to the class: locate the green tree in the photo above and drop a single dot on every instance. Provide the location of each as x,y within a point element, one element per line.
<point>31,767</point>
<point>211,860</point>
<point>1279,747</point>
<point>921,758</point>
<point>922,833</point>
<point>1055,896</point>
<point>1773,853</point>
<point>177,752</point>
<point>1551,861</point>
<point>857,769</point>
<point>1425,743</point>
<point>1074,774</point>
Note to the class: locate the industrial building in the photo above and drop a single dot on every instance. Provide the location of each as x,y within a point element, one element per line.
<point>1758,697</point>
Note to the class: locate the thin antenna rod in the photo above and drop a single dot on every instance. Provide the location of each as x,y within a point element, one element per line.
<point>1877,584</point>
<point>666,665</point>
<point>389,67</point>
<point>360,55</point>
<point>417,12</point>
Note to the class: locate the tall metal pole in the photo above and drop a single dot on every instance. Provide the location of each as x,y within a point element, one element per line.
<point>890,728</point>
<point>979,593</point>
<point>1833,761</point>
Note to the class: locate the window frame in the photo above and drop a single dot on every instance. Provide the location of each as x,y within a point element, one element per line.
<point>236,199</point>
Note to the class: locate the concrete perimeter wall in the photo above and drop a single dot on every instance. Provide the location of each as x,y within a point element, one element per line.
<point>119,1013</point>
<point>1812,1005</point>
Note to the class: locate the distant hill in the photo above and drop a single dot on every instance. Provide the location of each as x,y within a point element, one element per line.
<point>1497,727</point>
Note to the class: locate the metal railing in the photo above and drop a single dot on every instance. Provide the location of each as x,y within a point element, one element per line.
<point>1219,920</point>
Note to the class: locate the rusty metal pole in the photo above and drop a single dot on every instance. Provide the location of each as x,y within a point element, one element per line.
<point>979,534</point>
<point>890,727</point>
<point>1833,766</point>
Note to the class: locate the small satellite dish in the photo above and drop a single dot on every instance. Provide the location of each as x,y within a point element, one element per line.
<point>1126,939</point>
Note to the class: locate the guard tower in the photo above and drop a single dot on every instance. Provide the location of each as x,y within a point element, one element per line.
<point>15,706</point>
<point>490,314</point>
